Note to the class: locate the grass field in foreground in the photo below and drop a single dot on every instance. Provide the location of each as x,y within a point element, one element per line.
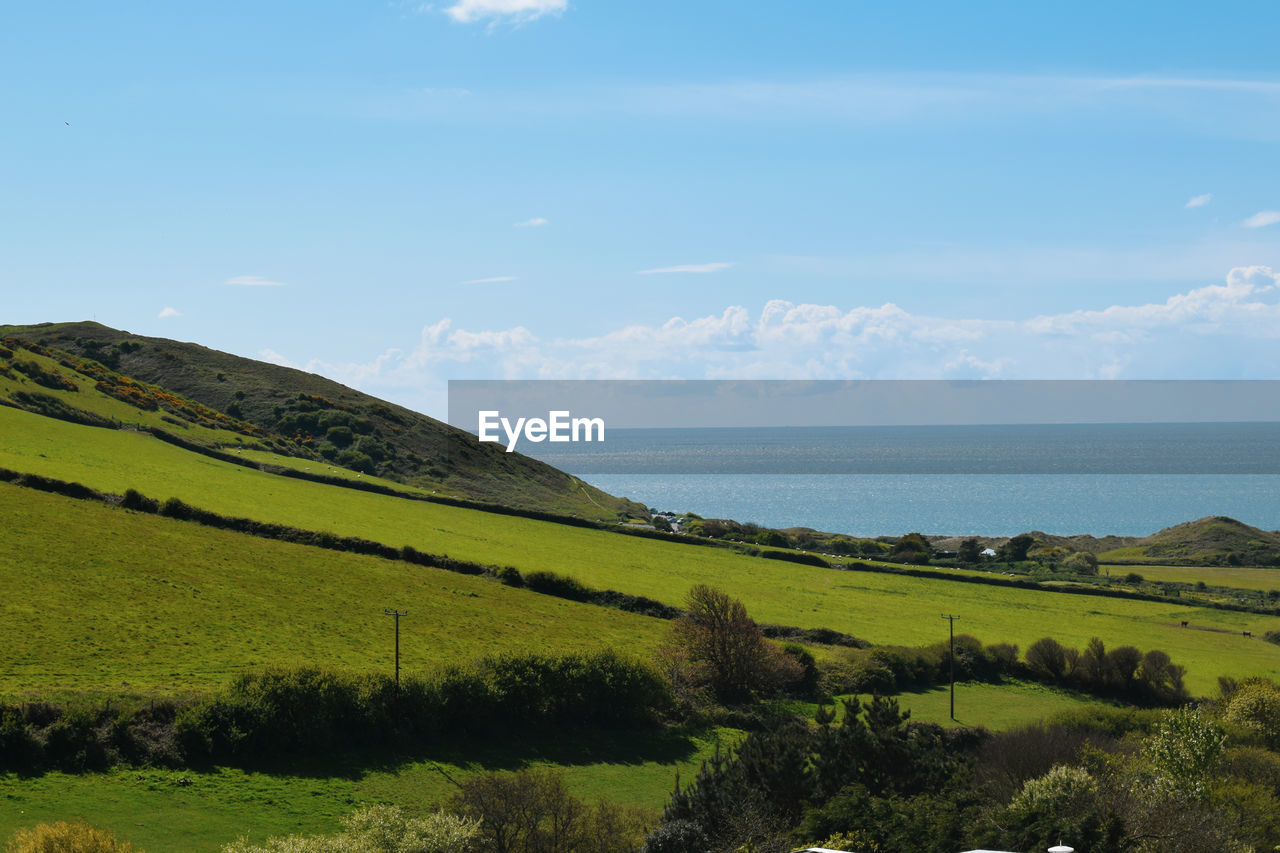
<point>878,607</point>
<point>96,598</point>
<point>150,807</point>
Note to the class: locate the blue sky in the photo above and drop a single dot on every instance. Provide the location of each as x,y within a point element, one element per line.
<point>394,194</point>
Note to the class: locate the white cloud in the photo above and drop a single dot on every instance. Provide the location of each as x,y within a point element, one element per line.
<point>253,281</point>
<point>1262,218</point>
<point>1199,201</point>
<point>495,279</point>
<point>535,222</point>
<point>169,312</point>
<point>1228,330</point>
<point>519,11</point>
<point>694,268</point>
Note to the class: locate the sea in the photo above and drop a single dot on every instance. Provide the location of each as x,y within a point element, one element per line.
<point>989,480</point>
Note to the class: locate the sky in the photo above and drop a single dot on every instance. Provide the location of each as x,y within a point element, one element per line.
<point>396,194</point>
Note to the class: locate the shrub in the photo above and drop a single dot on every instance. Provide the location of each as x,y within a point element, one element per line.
<point>1255,704</point>
<point>19,748</point>
<point>560,586</point>
<point>532,811</point>
<point>176,508</point>
<point>1047,658</point>
<point>378,829</point>
<point>510,576</point>
<point>677,836</point>
<point>63,837</point>
<point>135,500</point>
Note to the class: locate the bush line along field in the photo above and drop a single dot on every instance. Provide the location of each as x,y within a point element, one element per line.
<point>879,608</point>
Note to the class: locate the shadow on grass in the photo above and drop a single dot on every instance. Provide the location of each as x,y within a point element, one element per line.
<point>512,751</point>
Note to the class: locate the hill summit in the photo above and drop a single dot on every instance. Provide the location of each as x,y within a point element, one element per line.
<point>302,414</point>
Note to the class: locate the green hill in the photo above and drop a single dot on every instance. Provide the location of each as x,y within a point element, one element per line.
<point>1213,541</point>
<point>238,401</point>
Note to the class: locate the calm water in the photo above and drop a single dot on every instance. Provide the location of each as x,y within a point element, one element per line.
<point>973,504</point>
<point>1124,479</point>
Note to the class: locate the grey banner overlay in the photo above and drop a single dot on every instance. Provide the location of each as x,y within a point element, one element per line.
<point>894,427</point>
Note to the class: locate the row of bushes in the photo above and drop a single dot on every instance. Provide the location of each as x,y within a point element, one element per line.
<point>562,586</point>
<point>1028,583</point>
<point>264,716</point>
<point>1125,673</point>
<point>52,407</point>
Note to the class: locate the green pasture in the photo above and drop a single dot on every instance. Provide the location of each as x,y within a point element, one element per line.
<point>166,810</point>
<point>99,599</point>
<point>993,706</point>
<point>878,607</point>
<point>1232,577</point>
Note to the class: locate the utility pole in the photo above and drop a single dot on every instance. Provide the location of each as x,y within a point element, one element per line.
<point>397,614</point>
<point>951,661</point>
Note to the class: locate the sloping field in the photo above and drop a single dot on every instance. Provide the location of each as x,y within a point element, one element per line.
<point>880,608</point>
<point>1233,577</point>
<point>95,598</point>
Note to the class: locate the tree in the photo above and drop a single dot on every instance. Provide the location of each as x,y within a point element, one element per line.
<point>912,548</point>
<point>970,551</point>
<point>1255,704</point>
<point>716,634</point>
<point>1082,563</point>
<point>1048,658</point>
<point>1015,550</point>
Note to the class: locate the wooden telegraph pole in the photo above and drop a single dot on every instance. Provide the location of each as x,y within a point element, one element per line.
<point>397,614</point>
<point>951,661</point>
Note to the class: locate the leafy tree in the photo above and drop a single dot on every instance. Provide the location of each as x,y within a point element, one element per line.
<point>532,811</point>
<point>1048,658</point>
<point>970,551</point>
<point>912,548</point>
<point>1015,550</point>
<point>1082,563</point>
<point>718,637</point>
<point>1122,666</point>
<point>1184,750</point>
<point>1255,704</point>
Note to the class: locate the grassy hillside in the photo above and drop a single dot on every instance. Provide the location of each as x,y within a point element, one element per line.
<point>880,608</point>
<point>1217,540</point>
<point>158,382</point>
<point>96,598</point>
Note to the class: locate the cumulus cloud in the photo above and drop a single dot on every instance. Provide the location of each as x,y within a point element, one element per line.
<point>168,312</point>
<point>1227,330</point>
<point>518,11</point>
<point>1262,218</point>
<point>535,222</point>
<point>253,281</point>
<point>1199,201</point>
<point>691,268</point>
